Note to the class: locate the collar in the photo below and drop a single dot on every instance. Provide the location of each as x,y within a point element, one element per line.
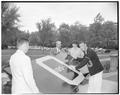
<point>20,51</point>
<point>58,48</point>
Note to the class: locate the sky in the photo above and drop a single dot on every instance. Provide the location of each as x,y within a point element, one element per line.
<point>68,13</point>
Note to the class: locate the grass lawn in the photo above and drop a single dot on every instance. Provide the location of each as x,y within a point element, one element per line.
<point>38,53</point>
<point>34,54</point>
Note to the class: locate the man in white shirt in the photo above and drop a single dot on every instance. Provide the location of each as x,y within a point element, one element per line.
<point>21,68</point>
<point>57,49</point>
<point>76,52</point>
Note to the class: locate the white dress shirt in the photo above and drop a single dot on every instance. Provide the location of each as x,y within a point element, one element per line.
<point>58,50</point>
<point>76,52</point>
<point>22,74</point>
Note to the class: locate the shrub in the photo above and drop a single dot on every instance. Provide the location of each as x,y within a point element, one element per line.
<point>106,66</point>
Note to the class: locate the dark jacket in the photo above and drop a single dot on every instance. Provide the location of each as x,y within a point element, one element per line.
<point>92,61</point>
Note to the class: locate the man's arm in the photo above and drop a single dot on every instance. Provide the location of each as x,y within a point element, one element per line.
<point>83,62</point>
<point>81,53</point>
<point>28,75</point>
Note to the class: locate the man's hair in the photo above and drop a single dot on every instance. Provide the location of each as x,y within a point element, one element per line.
<point>75,42</point>
<point>20,41</point>
<point>58,42</point>
<point>85,42</point>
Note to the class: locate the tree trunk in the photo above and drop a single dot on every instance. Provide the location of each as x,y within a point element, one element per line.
<point>107,43</point>
<point>43,48</point>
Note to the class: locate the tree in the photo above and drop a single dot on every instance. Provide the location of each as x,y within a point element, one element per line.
<point>79,32</point>
<point>10,17</point>
<point>96,29</point>
<point>64,34</point>
<point>98,18</point>
<point>34,39</point>
<point>46,31</point>
<point>104,34</point>
<point>76,32</point>
<point>109,34</point>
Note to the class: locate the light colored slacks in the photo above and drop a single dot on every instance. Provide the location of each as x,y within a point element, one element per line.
<point>95,83</point>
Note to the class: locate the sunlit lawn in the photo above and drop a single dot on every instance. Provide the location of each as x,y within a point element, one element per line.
<point>34,54</point>
<point>38,53</point>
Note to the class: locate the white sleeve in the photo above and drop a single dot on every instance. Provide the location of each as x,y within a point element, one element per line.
<point>28,75</point>
<point>81,53</point>
<point>69,51</point>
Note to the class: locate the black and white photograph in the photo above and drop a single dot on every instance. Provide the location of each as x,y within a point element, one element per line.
<point>59,47</point>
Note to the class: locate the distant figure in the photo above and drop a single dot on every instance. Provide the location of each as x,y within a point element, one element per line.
<point>94,66</point>
<point>21,68</point>
<point>57,49</point>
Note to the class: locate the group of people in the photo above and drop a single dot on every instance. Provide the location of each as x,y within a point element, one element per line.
<point>87,62</point>
<point>22,73</point>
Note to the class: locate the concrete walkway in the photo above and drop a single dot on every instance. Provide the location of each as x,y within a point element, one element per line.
<point>108,86</point>
<point>105,75</point>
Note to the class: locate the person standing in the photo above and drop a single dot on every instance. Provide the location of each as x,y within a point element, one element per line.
<point>21,68</point>
<point>75,51</point>
<point>94,66</point>
<point>57,49</point>
<point>76,54</point>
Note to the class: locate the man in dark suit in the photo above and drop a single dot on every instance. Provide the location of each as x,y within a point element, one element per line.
<point>94,66</point>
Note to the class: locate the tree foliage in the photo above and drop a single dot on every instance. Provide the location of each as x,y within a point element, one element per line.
<point>64,34</point>
<point>103,33</point>
<point>46,31</point>
<point>98,18</point>
<point>9,17</point>
<point>109,34</point>
<point>79,32</point>
<point>34,39</point>
<point>76,32</point>
<point>98,34</point>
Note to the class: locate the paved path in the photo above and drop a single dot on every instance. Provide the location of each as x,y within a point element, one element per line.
<point>108,86</point>
<point>113,76</point>
<point>105,75</point>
